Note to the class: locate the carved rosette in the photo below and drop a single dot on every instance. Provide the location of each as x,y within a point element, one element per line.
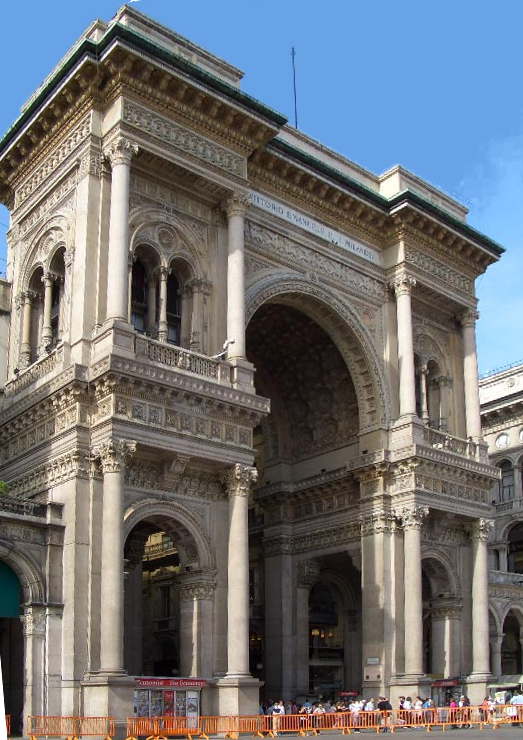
<point>33,621</point>
<point>480,530</point>
<point>238,479</point>
<point>402,285</point>
<point>236,205</point>
<point>377,522</point>
<point>114,454</point>
<point>120,151</point>
<point>308,573</point>
<point>469,317</point>
<point>412,517</point>
<point>196,591</point>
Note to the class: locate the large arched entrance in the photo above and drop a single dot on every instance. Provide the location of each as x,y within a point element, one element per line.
<point>11,644</point>
<point>511,650</point>
<point>312,366</point>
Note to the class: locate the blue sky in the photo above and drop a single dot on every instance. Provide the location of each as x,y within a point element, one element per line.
<point>435,87</point>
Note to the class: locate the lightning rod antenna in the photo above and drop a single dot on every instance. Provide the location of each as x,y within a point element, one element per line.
<point>293,54</point>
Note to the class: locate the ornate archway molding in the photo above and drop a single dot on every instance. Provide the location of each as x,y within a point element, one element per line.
<point>144,510</point>
<point>28,572</point>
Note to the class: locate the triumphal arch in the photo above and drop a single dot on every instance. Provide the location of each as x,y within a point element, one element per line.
<point>240,426</point>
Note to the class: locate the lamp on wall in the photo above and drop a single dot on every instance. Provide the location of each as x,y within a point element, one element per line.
<point>315,632</point>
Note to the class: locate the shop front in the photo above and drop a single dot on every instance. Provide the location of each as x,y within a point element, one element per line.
<point>168,697</point>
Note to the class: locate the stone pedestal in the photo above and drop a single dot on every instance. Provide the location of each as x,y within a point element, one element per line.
<point>109,696</point>
<point>240,696</point>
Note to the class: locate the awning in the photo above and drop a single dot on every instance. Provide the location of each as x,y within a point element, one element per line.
<point>514,679</point>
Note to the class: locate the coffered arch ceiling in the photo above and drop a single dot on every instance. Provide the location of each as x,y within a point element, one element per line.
<point>314,407</point>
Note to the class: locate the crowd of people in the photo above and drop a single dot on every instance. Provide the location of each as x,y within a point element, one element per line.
<point>409,713</point>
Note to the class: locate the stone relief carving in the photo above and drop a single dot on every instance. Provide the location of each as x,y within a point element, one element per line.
<point>377,522</point>
<point>58,470</point>
<point>239,479</point>
<point>53,161</point>
<point>308,572</point>
<point>310,261</point>
<point>55,199</point>
<point>435,268</point>
<point>175,202</point>
<point>183,139</point>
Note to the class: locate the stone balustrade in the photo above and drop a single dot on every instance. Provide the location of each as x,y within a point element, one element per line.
<point>501,577</point>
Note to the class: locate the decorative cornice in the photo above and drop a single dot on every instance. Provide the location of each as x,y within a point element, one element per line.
<point>434,268</point>
<point>239,479</point>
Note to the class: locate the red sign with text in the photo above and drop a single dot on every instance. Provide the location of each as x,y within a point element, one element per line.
<point>175,683</point>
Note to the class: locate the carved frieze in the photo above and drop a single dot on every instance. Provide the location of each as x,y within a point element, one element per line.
<point>146,190</point>
<point>436,269</point>
<point>323,539</point>
<point>54,160</point>
<point>308,572</point>
<point>41,477</point>
<point>183,139</point>
<point>279,545</point>
<point>261,240</point>
<point>63,196</point>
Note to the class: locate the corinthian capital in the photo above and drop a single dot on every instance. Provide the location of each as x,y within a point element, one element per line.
<point>412,517</point>
<point>236,205</point>
<point>402,284</point>
<point>114,454</point>
<point>480,530</point>
<point>120,151</point>
<point>469,317</point>
<point>238,479</point>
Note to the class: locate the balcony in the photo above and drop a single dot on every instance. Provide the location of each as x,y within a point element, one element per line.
<point>503,578</point>
<point>45,367</point>
<point>183,359</point>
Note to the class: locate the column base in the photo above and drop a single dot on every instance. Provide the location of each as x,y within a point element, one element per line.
<point>408,684</point>
<point>106,695</point>
<point>242,374</point>
<point>237,695</point>
<point>476,684</point>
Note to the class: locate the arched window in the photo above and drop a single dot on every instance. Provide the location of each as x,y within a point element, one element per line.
<point>515,549</point>
<point>139,297</point>
<point>174,310</point>
<point>506,484</point>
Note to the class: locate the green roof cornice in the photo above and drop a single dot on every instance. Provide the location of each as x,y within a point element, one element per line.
<point>406,197</point>
<point>94,50</point>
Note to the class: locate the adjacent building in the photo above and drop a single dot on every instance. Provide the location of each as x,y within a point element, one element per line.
<point>240,424</point>
<point>501,396</point>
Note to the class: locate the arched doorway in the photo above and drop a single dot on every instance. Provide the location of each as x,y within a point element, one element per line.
<point>511,650</point>
<point>11,644</point>
<point>441,620</point>
<point>169,591</point>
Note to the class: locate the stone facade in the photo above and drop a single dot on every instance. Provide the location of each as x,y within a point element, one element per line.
<point>240,421</point>
<point>501,396</point>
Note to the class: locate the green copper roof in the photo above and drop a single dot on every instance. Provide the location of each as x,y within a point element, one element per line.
<point>90,49</point>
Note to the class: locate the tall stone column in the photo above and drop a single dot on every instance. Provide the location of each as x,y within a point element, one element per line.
<point>237,481</point>
<point>479,534</point>
<point>470,374</point>
<point>308,574</point>
<point>34,629</point>
<point>47,330</point>
<point>25,350</point>
<point>119,154</point>
<point>402,287</point>
<point>412,519</point>
<point>196,629</point>
<point>112,456</point>
<point>163,273</point>
<point>151,305</point>
<point>495,643</point>
<point>424,396</point>
<point>235,208</point>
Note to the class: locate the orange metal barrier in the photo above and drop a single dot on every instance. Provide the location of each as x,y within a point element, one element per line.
<point>8,724</point>
<point>162,727</point>
<point>70,727</point>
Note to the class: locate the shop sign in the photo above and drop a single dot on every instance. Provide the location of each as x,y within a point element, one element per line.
<point>176,683</point>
